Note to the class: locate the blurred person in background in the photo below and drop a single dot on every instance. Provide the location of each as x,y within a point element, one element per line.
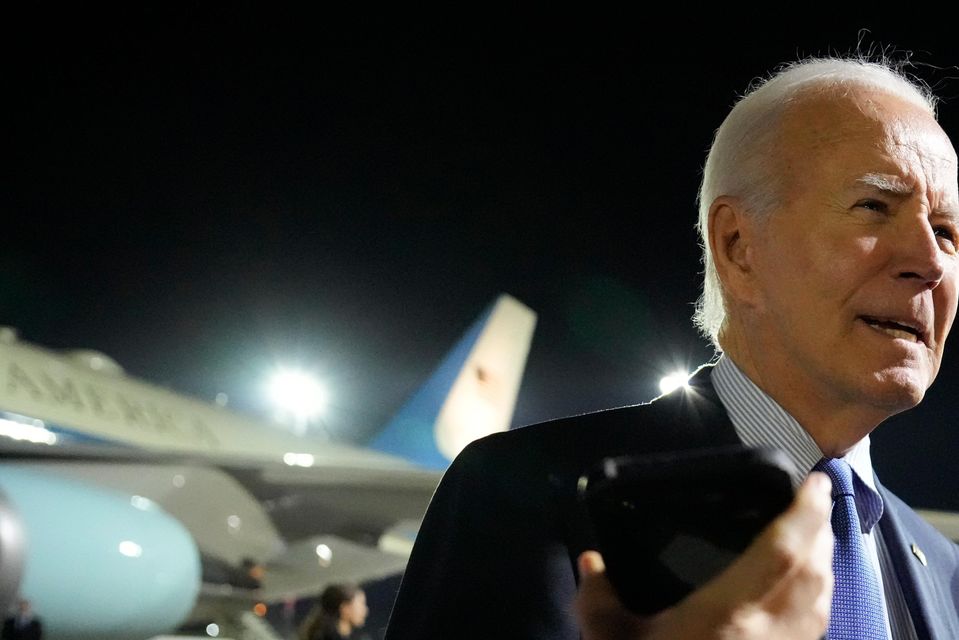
<point>339,615</point>
<point>23,625</point>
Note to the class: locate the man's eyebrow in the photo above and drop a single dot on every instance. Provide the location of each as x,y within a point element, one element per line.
<point>898,188</point>
<point>950,212</point>
<point>888,184</point>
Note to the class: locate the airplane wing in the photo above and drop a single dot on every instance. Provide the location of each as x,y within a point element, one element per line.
<point>96,465</point>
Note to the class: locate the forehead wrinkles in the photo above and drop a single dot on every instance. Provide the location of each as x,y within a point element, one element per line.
<point>927,161</point>
<point>869,129</point>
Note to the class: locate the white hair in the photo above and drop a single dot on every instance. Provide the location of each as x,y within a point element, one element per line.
<point>741,163</point>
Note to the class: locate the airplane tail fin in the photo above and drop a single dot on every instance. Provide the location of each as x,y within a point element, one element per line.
<point>471,394</point>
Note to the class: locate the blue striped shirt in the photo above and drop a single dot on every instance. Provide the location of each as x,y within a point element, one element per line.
<point>760,421</point>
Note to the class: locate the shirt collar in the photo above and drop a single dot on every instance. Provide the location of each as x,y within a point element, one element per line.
<point>760,421</point>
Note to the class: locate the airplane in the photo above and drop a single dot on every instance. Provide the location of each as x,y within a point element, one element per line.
<point>128,510</point>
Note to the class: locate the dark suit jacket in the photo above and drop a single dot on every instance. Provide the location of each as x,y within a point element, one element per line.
<point>495,556</point>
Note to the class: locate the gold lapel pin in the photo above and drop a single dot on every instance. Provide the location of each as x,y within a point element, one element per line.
<point>916,551</point>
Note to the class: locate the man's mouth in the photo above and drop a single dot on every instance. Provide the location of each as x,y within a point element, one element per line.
<point>896,328</point>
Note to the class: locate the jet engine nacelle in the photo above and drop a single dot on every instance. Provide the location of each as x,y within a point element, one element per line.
<point>100,564</point>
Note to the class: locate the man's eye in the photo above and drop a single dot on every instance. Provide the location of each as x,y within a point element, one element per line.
<point>946,233</point>
<point>873,205</point>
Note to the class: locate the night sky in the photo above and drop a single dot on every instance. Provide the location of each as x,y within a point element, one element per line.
<point>202,192</point>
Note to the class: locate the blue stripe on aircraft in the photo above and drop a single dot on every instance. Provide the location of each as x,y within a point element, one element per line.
<point>410,434</point>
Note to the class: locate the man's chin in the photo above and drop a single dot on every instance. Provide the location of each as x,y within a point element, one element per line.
<point>899,389</point>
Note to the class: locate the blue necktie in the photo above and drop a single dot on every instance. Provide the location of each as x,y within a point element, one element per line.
<point>856,600</point>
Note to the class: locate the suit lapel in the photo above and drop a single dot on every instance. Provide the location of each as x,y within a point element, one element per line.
<point>923,593</point>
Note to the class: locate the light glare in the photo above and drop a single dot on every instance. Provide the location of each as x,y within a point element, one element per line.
<point>674,381</point>
<point>141,503</point>
<point>130,549</point>
<point>298,459</point>
<point>324,554</point>
<point>18,431</point>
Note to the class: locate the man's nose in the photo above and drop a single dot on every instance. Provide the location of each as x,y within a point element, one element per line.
<point>922,257</point>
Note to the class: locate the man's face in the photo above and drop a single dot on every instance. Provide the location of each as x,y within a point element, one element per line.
<point>856,270</point>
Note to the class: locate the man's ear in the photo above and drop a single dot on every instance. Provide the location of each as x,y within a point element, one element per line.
<point>732,234</point>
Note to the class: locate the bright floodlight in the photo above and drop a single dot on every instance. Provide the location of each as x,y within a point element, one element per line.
<point>673,381</point>
<point>298,394</point>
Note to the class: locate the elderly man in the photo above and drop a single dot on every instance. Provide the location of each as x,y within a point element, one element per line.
<point>828,214</point>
